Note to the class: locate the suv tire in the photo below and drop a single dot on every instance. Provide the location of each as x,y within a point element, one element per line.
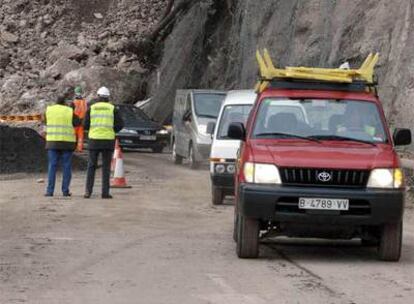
<point>178,160</point>
<point>217,195</point>
<point>390,242</point>
<point>191,157</point>
<point>236,219</point>
<point>247,237</point>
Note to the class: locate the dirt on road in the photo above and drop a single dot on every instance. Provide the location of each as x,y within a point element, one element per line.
<point>162,242</point>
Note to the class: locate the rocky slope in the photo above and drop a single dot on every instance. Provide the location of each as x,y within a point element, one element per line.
<point>49,45</point>
<point>219,49</point>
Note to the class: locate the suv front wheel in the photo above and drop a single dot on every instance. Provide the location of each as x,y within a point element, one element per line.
<point>247,237</point>
<point>390,242</point>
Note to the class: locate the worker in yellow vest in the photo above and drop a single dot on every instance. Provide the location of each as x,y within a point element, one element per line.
<point>60,143</point>
<point>103,122</point>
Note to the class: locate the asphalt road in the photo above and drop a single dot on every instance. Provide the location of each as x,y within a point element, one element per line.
<point>162,242</point>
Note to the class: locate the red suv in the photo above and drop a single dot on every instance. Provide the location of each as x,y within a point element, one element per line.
<point>317,160</point>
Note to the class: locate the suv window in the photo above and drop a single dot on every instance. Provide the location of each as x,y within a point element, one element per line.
<point>207,105</point>
<point>320,118</point>
<point>233,113</point>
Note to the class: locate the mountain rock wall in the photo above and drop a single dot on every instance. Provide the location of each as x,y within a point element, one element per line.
<point>213,45</point>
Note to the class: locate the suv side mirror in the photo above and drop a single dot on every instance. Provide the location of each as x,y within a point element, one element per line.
<point>402,137</point>
<point>210,127</point>
<point>236,131</point>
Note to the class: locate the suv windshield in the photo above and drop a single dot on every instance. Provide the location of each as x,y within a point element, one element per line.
<point>324,119</point>
<point>233,113</point>
<point>208,105</point>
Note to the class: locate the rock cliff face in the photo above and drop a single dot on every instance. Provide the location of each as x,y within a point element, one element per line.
<point>49,45</point>
<point>213,44</point>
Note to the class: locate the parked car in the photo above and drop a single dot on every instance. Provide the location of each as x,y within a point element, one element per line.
<point>235,108</point>
<point>193,110</point>
<point>333,173</point>
<point>140,131</point>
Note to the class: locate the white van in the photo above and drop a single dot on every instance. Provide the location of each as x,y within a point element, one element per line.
<point>193,111</point>
<point>235,108</point>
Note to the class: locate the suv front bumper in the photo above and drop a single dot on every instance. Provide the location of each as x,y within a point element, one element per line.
<point>280,204</point>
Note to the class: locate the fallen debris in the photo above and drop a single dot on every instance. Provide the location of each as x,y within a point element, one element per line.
<point>23,150</point>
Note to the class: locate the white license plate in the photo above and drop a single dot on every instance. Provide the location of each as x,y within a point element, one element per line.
<point>128,141</point>
<point>323,204</point>
<point>148,137</point>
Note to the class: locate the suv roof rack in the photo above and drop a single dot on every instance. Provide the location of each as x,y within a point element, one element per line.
<point>301,84</point>
<point>361,79</point>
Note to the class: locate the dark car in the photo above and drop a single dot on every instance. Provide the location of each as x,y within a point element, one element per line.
<point>140,131</point>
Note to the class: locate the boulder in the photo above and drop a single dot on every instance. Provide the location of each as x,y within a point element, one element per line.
<point>4,59</point>
<point>8,37</point>
<point>13,84</point>
<point>123,86</point>
<point>61,67</point>
<point>67,51</point>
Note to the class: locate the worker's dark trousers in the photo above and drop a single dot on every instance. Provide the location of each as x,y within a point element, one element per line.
<point>106,170</point>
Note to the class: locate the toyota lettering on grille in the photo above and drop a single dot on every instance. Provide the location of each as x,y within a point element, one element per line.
<point>324,177</point>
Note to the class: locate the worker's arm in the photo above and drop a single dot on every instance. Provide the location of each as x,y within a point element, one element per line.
<point>87,120</point>
<point>118,121</point>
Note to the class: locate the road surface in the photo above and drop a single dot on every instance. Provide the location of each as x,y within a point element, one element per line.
<point>162,242</point>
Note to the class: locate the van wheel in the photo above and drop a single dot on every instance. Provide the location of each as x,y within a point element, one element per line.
<point>389,248</point>
<point>247,237</point>
<point>217,195</point>
<point>176,158</point>
<point>191,157</point>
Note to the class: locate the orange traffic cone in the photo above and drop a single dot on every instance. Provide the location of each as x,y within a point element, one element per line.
<point>119,180</point>
<point>116,155</point>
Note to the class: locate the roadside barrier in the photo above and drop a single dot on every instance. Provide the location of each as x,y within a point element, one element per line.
<point>119,180</point>
<point>20,118</point>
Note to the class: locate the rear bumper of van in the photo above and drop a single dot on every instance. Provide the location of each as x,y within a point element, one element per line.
<point>281,204</point>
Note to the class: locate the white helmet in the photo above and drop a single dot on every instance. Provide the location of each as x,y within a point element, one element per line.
<point>103,92</point>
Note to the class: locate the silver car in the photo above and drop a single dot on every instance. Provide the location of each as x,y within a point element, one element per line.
<point>194,111</point>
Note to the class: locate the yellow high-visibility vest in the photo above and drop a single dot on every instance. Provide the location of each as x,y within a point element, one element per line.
<point>59,125</point>
<point>102,121</point>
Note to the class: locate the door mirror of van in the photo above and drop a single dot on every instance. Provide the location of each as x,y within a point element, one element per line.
<point>236,131</point>
<point>402,137</point>
<point>210,127</point>
<point>187,116</point>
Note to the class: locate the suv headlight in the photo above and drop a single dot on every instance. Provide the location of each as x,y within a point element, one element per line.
<point>261,173</point>
<point>386,178</point>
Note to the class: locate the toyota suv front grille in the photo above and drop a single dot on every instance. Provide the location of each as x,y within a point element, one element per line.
<point>324,177</point>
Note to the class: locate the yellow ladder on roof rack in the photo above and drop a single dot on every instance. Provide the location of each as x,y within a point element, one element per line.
<point>268,72</point>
